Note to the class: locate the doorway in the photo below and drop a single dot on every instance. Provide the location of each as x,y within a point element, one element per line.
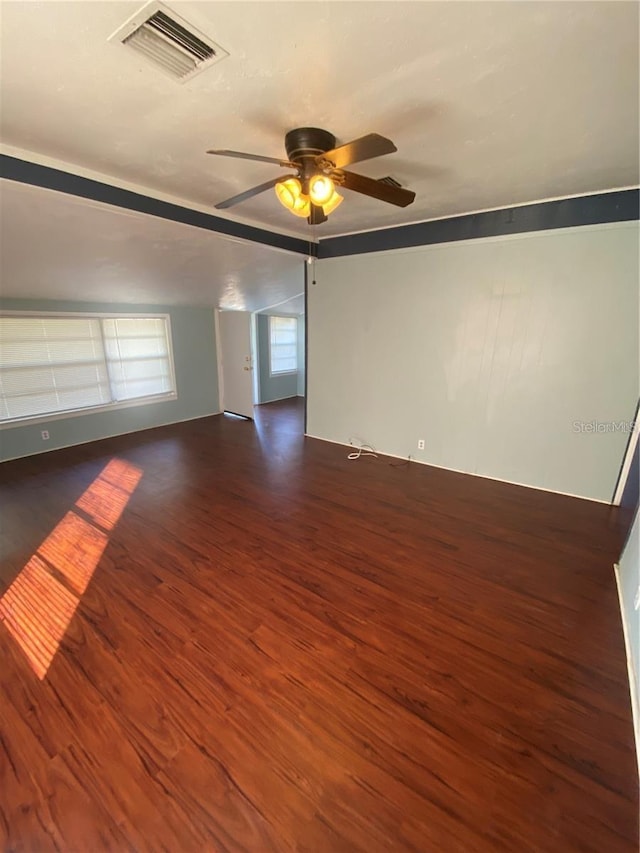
<point>262,359</point>
<point>236,362</point>
<point>280,356</point>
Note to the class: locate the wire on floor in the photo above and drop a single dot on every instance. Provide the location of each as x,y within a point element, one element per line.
<point>363,450</point>
<point>400,464</point>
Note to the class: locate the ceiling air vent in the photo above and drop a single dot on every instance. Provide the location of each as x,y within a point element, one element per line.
<point>167,40</point>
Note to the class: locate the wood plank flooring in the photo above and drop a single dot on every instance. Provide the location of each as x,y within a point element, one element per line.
<point>279,650</point>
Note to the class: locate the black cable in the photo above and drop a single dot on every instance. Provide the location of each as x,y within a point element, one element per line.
<point>400,464</point>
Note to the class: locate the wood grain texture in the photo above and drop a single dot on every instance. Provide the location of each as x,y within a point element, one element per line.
<point>283,650</point>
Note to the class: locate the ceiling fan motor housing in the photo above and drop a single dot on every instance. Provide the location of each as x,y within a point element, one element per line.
<point>305,143</point>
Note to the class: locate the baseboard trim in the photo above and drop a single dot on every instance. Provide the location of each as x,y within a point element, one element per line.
<point>633,680</point>
<point>276,400</point>
<point>466,473</point>
<point>107,437</point>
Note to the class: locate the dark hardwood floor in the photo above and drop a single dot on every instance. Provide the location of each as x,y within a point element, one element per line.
<point>271,648</point>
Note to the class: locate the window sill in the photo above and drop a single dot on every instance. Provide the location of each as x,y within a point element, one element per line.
<point>75,413</point>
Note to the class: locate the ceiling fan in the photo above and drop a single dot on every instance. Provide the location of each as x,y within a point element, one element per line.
<point>319,168</point>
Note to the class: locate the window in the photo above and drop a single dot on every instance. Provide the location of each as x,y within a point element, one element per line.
<point>283,345</point>
<point>53,364</point>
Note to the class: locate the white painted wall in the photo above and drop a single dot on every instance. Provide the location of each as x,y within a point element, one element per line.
<point>490,350</point>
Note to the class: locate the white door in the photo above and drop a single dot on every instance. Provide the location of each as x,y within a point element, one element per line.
<point>237,363</point>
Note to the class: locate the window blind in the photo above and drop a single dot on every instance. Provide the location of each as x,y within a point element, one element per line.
<point>283,344</point>
<point>137,357</point>
<point>59,364</point>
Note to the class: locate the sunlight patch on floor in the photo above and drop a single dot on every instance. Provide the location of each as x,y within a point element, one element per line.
<point>38,606</point>
<point>74,548</point>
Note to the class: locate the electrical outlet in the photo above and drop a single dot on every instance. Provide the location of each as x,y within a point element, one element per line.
<point>45,434</point>
<point>636,603</point>
<point>421,444</point>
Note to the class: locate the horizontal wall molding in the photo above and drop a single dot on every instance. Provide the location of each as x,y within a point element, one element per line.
<point>616,206</point>
<point>26,172</point>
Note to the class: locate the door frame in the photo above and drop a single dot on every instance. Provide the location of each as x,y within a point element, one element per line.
<point>220,366</point>
<point>628,469</point>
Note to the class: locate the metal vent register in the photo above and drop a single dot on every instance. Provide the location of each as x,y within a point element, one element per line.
<point>169,42</point>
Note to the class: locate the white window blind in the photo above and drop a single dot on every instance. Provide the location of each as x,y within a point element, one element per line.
<point>137,357</point>
<point>283,344</point>
<point>53,364</point>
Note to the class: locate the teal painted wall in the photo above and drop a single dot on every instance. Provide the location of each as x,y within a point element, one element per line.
<point>271,387</point>
<point>194,353</point>
<point>499,353</point>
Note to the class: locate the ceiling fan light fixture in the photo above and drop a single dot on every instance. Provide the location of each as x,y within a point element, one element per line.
<point>289,194</point>
<point>321,189</point>
<point>334,202</point>
<point>302,208</point>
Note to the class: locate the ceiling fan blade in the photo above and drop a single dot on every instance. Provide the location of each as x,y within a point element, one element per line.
<point>236,199</point>
<point>223,152</point>
<point>364,148</point>
<point>377,189</point>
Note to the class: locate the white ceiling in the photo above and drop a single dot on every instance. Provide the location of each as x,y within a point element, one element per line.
<point>490,103</point>
<point>56,246</point>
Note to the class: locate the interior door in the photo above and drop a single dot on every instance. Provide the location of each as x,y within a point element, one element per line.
<point>237,362</point>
